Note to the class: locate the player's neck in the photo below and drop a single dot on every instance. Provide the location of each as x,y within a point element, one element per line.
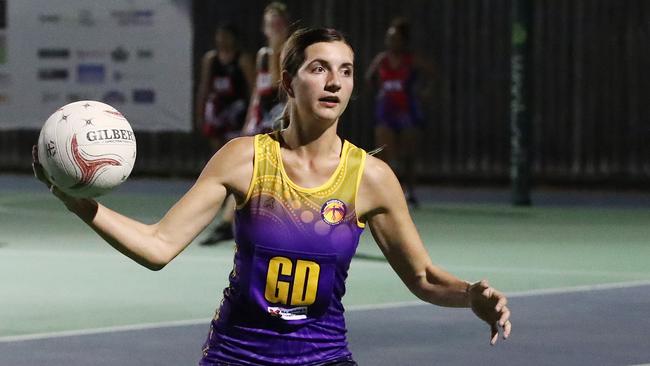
<point>226,55</point>
<point>314,141</point>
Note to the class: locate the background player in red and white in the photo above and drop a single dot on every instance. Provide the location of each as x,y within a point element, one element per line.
<point>399,76</point>
<point>266,107</point>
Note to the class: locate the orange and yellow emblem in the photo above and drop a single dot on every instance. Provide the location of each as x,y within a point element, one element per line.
<point>333,211</point>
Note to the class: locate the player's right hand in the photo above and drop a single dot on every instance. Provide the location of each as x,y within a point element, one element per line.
<point>39,172</point>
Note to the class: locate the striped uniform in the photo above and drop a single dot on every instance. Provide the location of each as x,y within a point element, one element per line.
<point>268,108</point>
<point>294,247</point>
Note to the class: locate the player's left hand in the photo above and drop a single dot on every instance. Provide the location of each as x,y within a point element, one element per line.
<point>490,306</point>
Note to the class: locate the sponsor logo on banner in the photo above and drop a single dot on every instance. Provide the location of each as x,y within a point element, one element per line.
<point>52,74</point>
<point>94,54</point>
<point>50,97</point>
<point>143,17</point>
<point>49,18</point>
<point>144,96</point>
<point>114,97</point>
<point>144,53</point>
<point>75,96</point>
<point>91,73</point>
<point>86,18</point>
<point>53,53</point>
<point>120,54</point>
<point>119,75</point>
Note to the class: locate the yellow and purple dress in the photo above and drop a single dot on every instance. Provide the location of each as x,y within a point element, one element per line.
<point>293,250</point>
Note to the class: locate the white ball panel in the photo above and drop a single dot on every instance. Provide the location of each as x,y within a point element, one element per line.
<point>95,148</point>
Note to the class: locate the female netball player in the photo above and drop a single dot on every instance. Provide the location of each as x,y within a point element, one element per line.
<point>224,88</point>
<point>304,196</point>
<point>265,106</point>
<point>225,84</point>
<point>394,73</point>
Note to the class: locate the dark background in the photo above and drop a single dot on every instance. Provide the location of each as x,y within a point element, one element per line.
<point>588,88</point>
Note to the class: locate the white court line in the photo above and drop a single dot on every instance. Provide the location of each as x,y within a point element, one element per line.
<point>175,323</point>
<point>119,328</point>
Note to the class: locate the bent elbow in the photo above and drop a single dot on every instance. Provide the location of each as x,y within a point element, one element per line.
<point>159,262</point>
<point>155,267</point>
<point>155,264</point>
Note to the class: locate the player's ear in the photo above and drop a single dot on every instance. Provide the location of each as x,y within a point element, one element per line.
<point>285,81</point>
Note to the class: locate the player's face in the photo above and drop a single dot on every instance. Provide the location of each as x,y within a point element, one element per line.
<point>224,40</point>
<point>324,82</point>
<point>394,40</point>
<point>275,28</point>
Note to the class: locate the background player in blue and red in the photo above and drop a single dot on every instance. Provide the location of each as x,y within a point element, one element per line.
<point>266,107</point>
<point>401,79</point>
<point>226,81</point>
<point>304,197</point>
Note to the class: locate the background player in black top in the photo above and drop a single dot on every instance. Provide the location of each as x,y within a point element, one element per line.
<point>227,76</point>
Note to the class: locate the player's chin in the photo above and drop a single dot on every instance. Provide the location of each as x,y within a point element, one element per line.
<point>327,116</point>
<point>330,112</point>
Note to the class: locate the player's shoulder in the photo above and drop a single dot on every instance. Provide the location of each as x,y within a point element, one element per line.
<point>233,153</point>
<point>378,189</point>
<point>376,173</point>
<point>264,52</point>
<point>377,60</point>
<point>381,55</point>
<point>239,146</point>
<point>210,55</point>
<point>232,160</point>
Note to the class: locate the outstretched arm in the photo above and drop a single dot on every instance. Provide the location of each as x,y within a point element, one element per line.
<point>381,203</point>
<point>155,245</point>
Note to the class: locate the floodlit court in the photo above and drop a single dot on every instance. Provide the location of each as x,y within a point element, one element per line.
<point>513,133</point>
<point>574,266</point>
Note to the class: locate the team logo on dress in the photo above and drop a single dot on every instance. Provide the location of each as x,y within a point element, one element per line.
<point>333,211</point>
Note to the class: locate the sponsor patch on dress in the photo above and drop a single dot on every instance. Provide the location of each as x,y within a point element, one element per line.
<point>297,313</point>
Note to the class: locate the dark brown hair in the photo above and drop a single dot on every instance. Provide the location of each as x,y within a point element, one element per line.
<point>293,54</point>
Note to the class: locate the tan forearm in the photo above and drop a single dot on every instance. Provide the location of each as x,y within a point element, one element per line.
<point>441,288</point>
<point>130,237</point>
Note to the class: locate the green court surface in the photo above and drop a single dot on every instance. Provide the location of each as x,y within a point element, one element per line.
<point>57,275</point>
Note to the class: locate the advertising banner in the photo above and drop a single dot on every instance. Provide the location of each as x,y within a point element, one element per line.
<point>135,55</point>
